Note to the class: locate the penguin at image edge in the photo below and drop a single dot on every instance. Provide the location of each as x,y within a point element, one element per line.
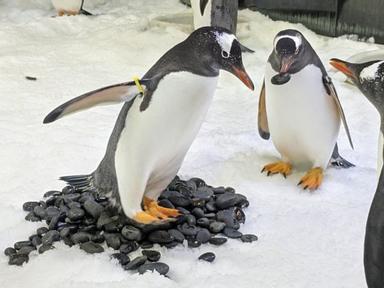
<point>300,111</point>
<point>161,117</point>
<point>69,7</point>
<point>369,78</point>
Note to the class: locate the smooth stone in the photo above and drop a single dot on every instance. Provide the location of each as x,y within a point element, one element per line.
<point>172,244</point>
<point>36,240</point>
<point>232,233</point>
<point>42,230</point>
<point>75,214</point>
<point>209,257</point>
<point>9,251</point>
<point>216,227</point>
<point>203,236</point>
<point>177,235</point>
<point>239,215</point>
<point>219,190</point>
<point>160,236</point>
<point>68,190</point>
<point>39,211</point>
<point>104,219</point>
<point>112,240</point>
<point>30,205</point>
<point>45,247</point>
<point>67,241</point>
<point>129,247</point>
<point>230,190</point>
<point>147,244</point>
<point>65,232</point>
<point>193,243</point>
<point>113,227</point>
<point>53,223</point>
<point>191,185</point>
<point>50,237</point>
<point>217,241</point>
<point>188,230</point>
<point>131,233</point>
<point>18,245</point>
<point>210,215</point>
<point>166,203</point>
<point>228,216</point>
<point>122,258</point>
<point>98,238</point>
<point>169,193</point>
<point>89,221</point>
<point>26,250</point>
<point>226,200</point>
<point>196,202</point>
<point>248,238</point>
<point>161,268</point>
<point>191,220</point>
<point>18,259</point>
<point>91,247</point>
<point>51,212</point>
<point>74,205</point>
<point>32,217</point>
<point>50,201</point>
<point>184,211</point>
<point>199,182</point>
<point>203,222</point>
<point>180,200</point>
<point>51,193</point>
<point>204,193</point>
<point>198,212</point>
<point>71,197</point>
<point>93,208</point>
<point>80,237</point>
<point>152,255</point>
<point>136,263</point>
<point>211,206</point>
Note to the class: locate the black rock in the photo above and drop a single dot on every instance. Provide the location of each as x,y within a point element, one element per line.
<point>52,193</point>
<point>160,236</point>
<point>131,233</point>
<point>211,206</point>
<point>198,212</point>
<point>203,236</point>
<point>177,235</point>
<point>42,230</point>
<point>89,221</point>
<point>136,263</point>
<point>204,193</point>
<point>193,243</point>
<point>199,182</point>
<point>98,237</point>
<point>39,211</point>
<point>226,200</point>
<point>183,211</point>
<point>232,233</point>
<point>171,245</point>
<point>32,217</point>
<point>18,259</point>
<point>219,190</point>
<point>191,185</point>
<point>36,240</point>
<point>20,244</point>
<point>122,258</point>
<point>26,250</point>
<point>217,241</point>
<point>248,238</point>
<point>30,205</point>
<point>53,223</point>
<point>146,245</point>
<point>68,189</point>
<point>67,241</point>
<point>209,257</point>
<point>75,214</point>
<point>152,255</point>
<point>228,216</point>
<point>112,240</point>
<point>180,200</point>
<point>166,203</point>
<point>50,201</point>
<point>203,222</point>
<point>104,219</point>
<point>81,237</point>
<point>45,247</point>
<point>50,237</point>
<point>210,215</point>
<point>239,215</point>
<point>161,268</point>
<point>9,251</point>
<point>191,220</point>
<point>113,227</point>
<point>68,198</point>
<point>188,230</point>
<point>230,190</point>
<point>129,247</point>
<point>196,202</point>
<point>93,208</point>
<point>74,205</point>
<point>91,247</point>
<point>216,227</point>
<point>51,212</point>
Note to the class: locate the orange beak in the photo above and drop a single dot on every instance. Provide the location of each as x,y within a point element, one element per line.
<point>243,76</point>
<point>342,66</point>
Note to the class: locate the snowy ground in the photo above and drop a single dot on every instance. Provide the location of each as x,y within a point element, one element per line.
<point>306,239</point>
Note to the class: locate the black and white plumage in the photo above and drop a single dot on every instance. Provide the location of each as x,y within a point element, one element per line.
<point>155,129</point>
<point>299,109</point>
<point>369,78</point>
<point>69,7</point>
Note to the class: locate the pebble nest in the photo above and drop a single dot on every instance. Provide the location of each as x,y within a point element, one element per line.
<point>85,218</point>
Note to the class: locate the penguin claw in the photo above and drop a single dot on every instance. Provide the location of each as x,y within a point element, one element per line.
<point>163,213</point>
<point>281,167</point>
<point>312,180</point>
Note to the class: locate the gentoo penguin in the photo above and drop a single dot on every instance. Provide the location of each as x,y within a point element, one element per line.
<point>69,7</point>
<point>159,121</point>
<point>369,78</point>
<point>299,109</point>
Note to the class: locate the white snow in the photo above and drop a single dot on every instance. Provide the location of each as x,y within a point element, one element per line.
<point>371,72</point>
<point>305,239</point>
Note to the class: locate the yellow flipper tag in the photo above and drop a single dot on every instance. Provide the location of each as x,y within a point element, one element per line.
<point>138,85</point>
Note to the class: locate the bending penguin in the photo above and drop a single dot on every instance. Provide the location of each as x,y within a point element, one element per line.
<point>300,110</point>
<point>369,78</point>
<point>147,145</point>
<point>69,7</point>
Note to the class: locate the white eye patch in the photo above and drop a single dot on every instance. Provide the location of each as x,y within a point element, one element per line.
<point>225,41</point>
<point>297,39</point>
<point>371,72</point>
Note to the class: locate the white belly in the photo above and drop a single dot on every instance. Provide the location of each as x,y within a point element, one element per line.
<point>154,142</point>
<point>303,119</point>
<point>67,5</point>
<point>380,154</point>
<point>198,19</point>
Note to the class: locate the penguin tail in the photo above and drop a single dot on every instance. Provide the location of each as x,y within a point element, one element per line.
<point>79,182</point>
<point>85,12</point>
<point>340,162</point>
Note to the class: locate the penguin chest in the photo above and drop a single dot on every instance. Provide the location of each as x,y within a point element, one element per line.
<point>153,143</point>
<point>380,154</point>
<point>73,6</point>
<point>303,119</point>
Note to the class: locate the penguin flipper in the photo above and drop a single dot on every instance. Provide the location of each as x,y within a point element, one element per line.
<point>203,4</point>
<point>85,12</point>
<point>262,115</point>
<point>79,182</point>
<point>123,92</point>
<point>330,88</point>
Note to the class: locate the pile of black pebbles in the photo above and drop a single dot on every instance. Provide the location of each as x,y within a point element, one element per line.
<point>84,218</point>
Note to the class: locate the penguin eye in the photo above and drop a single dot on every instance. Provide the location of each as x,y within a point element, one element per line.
<point>224,54</point>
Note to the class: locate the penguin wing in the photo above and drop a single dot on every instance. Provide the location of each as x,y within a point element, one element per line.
<point>203,4</point>
<point>123,92</point>
<point>262,115</point>
<point>330,88</point>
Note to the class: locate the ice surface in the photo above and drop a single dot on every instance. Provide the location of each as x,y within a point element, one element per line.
<point>305,239</point>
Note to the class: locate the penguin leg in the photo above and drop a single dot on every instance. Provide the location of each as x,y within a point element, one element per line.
<point>60,13</point>
<point>151,207</point>
<point>280,167</point>
<point>312,179</point>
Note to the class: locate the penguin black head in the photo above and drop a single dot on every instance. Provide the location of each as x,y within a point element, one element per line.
<point>215,49</point>
<point>368,77</point>
<point>291,53</point>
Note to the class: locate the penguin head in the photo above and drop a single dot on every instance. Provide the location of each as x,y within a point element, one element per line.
<point>290,51</point>
<point>218,49</point>
<point>368,77</point>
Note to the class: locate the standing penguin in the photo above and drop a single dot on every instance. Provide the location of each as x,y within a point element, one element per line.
<point>300,110</point>
<point>69,7</point>
<point>369,78</point>
<point>159,121</point>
